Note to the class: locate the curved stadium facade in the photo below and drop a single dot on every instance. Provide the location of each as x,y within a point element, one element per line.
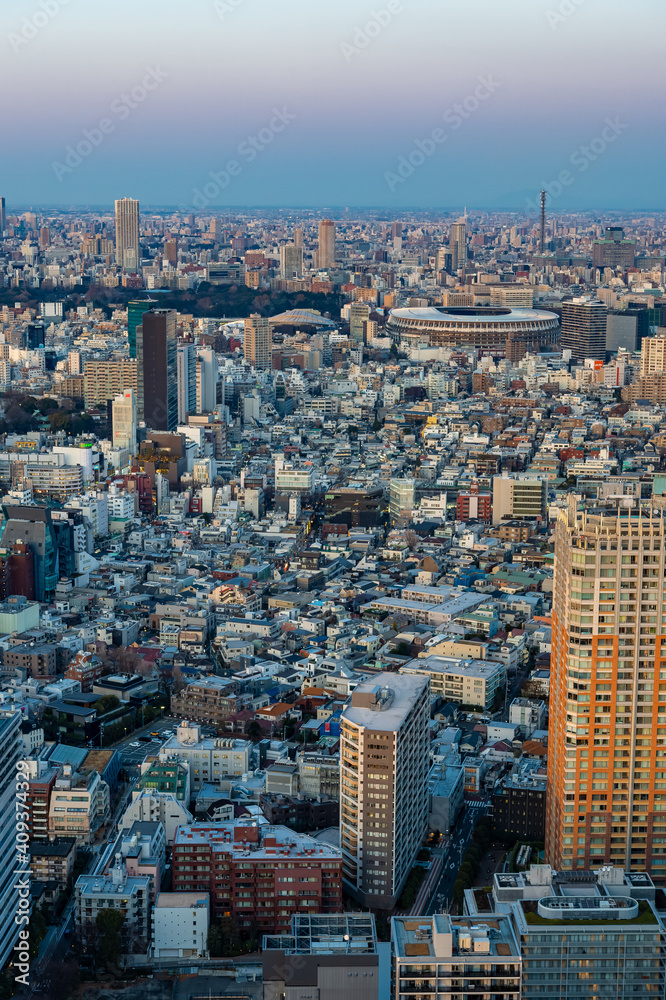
<point>513,331</point>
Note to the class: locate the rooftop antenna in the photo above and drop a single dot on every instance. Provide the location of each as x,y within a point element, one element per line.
<point>543,221</point>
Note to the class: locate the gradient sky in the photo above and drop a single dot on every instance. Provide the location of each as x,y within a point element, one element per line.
<point>559,79</point>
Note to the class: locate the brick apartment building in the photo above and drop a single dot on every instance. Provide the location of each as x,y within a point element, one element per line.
<point>474,506</point>
<point>86,669</point>
<point>258,874</point>
<point>212,699</point>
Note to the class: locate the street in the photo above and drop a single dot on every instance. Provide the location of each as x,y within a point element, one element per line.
<point>460,837</point>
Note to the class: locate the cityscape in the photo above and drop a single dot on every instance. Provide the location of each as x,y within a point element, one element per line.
<point>332,502</point>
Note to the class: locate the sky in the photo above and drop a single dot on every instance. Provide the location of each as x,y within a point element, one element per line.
<point>333,103</point>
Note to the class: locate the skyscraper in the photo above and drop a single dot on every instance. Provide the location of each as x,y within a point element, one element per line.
<point>458,244</point>
<point>326,248</point>
<point>291,261</point>
<point>257,342</point>
<point>584,329</point>
<point>206,380</point>
<point>135,311</point>
<point>124,421</point>
<point>128,252</point>
<point>187,381</point>
<point>359,314</point>
<point>157,377</point>
<point>3,217</point>
<point>607,739</point>
<point>384,763</point>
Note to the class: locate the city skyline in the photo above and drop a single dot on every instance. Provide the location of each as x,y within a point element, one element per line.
<point>329,116</point>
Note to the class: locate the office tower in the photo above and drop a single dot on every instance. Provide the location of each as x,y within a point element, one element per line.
<point>291,261</point>
<point>3,217</point>
<point>124,421</point>
<point>298,238</point>
<point>44,237</point>
<point>458,244</point>
<point>607,738</point>
<point>584,329</point>
<point>613,250</point>
<point>33,526</point>
<point>626,328</point>
<point>128,252</point>
<point>359,314</point>
<point>135,311</point>
<point>11,750</point>
<point>396,230</point>
<point>35,336</point>
<point>206,380</point>
<point>402,498</point>
<point>157,375</point>
<point>326,248</point>
<point>384,762</point>
<point>257,342</point>
<point>653,353</point>
<point>171,251</point>
<point>187,381</point>
<point>522,496</point>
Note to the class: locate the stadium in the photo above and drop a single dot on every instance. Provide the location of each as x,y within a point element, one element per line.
<point>513,332</point>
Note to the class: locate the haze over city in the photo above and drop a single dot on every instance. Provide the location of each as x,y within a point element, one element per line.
<point>359,100</point>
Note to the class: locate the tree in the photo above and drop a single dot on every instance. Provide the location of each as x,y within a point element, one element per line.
<point>411,539</point>
<point>107,703</point>
<point>109,924</point>
<point>254,730</point>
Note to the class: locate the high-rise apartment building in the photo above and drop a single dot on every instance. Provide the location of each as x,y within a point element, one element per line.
<point>291,261</point>
<point>607,742</point>
<point>128,253</point>
<point>187,381</point>
<point>584,329</point>
<point>653,353</point>
<point>171,252</point>
<point>104,380</point>
<point>257,341</point>
<point>458,244</point>
<point>157,375</point>
<point>326,248</point>
<point>384,763</point>
<point>135,311</point>
<point>124,421</point>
